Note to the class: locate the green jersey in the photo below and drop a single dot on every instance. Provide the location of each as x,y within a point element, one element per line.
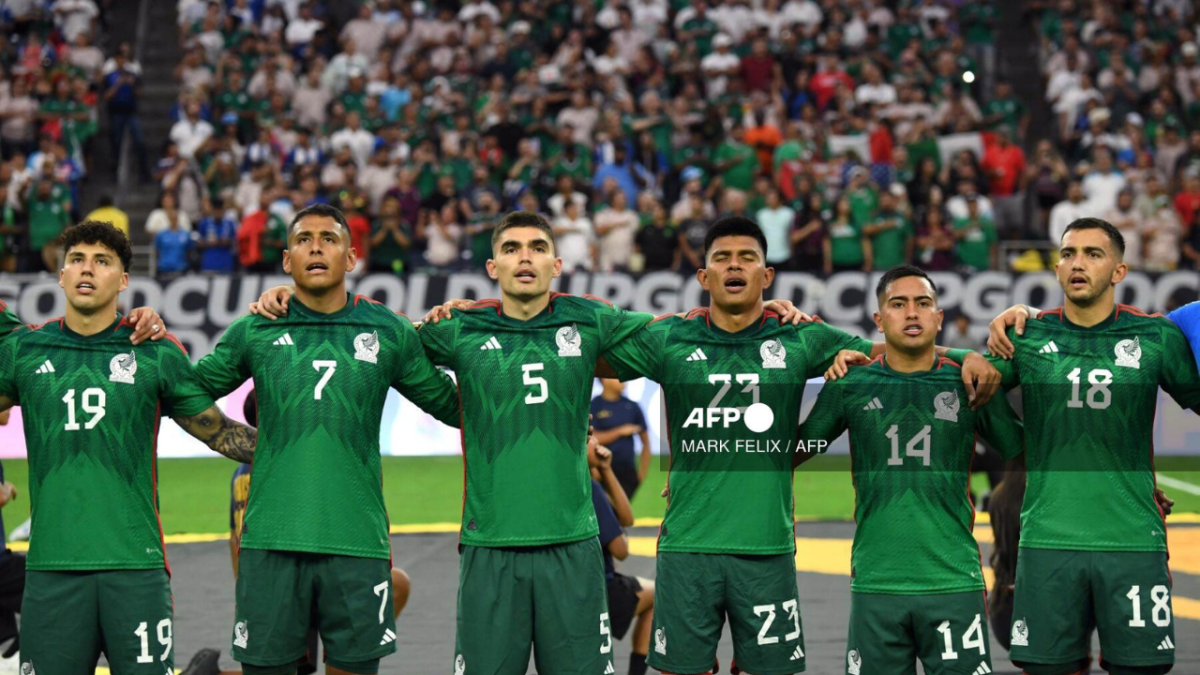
<point>526,394</point>
<point>321,382</point>
<point>8,321</point>
<point>975,249</point>
<point>91,407</point>
<point>912,439</point>
<point>733,404</point>
<point>889,247</point>
<point>1089,396</point>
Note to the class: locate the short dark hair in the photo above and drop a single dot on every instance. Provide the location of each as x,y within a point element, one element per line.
<point>322,210</point>
<point>102,233</point>
<point>891,276</point>
<point>1114,235</point>
<point>734,226</point>
<point>522,219</point>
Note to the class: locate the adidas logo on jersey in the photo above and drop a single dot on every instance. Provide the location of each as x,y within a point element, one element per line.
<point>388,637</point>
<point>1166,644</point>
<point>46,367</point>
<point>285,340</point>
<point>697,355</point>
<point>875,404</point>
<point>609,670</point>
<point>1049,348</point>
<point>983,669</point>
<point>797,654</point>
<point>492,343</point>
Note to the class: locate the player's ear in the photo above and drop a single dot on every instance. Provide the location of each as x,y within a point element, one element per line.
<point>287,262</point>
<point>351,258</point>
<point>124,282</point>
<point>557,267</point>
<point>941,317</point>
<point>768,277</point>
<point>1119,272</point>
<point>879,322</point>
<point>491,269</point>
<point>62,284</point>
<point>702,277</point>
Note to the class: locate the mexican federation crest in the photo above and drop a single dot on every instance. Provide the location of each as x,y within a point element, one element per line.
<point>240,635</point>
<point>1020,633</point>
<point>366,347</point>
<point>460,665</point>
<point>122,368</point>
<point>773,354</point>
<point>569,340</point>
<point>27,668</point>
<point>660,641</point>
<point>945,406</point>
<point>1129,353</point>
<point>853,662</point>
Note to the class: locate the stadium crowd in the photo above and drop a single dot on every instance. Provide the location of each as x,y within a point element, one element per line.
<point>860,134</point>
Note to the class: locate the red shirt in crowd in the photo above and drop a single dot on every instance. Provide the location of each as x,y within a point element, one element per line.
<point>1186,204</point>
<point>1004,166</point>
<point>757,72</point>
<point>881,144</point>
<point>360,229</point>
<point>824,85</point>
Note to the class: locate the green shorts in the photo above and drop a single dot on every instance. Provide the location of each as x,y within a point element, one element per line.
<point>68,618</point>
<point>280,594</point>
<point>1061,596</point>
<point>548,598</point>
<point>694,593</point>
<point>947,632</point>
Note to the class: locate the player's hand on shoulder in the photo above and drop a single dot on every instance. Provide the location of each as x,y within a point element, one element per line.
<point>146,324</point>
<point>998,343</point>
<point>442,311</point>
<point>273,303</point>
<point>843,361</point>
<point>981,379</point>
<point>788,313</point>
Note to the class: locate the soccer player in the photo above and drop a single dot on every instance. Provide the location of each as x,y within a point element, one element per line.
<point>732,377</point>
<point>314,544</point>
<point>917,582</point>
<point>97,577</point>
<point>1090,373</point>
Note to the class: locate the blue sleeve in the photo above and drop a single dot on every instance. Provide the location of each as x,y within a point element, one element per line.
<point>607,518</point>
<point>1188,320</point>
<point>639,418</point>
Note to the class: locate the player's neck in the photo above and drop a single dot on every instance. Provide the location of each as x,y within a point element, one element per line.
<point>327,301</point>
<point>910,362</point>
<point>83,323</point>
<point>734,319</point>
<point>523,309</point>
<point>1090,315</point>
<point>611,398</point>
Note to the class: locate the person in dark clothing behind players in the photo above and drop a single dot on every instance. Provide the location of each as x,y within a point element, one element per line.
<point>617,420</point>
<point>628,597</point>
<point>205,661</point>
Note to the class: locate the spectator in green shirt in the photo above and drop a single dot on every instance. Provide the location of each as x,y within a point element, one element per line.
<point>390,238</point>
<point>845,247</point>
<point>976,238</point>
<point>736,162</point>
<point>890,234</point>
<point>48,204</point>
<point>1006,110</point>
<point>862,196</point>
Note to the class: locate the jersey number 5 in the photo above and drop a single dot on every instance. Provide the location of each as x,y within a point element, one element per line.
<point>532,380</point>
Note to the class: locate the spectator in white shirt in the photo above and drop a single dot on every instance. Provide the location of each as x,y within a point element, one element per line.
<point>1066,212</point>
<point>776,220</point>
<point>573,238</point>
<point>720,65</point>
<point>581,115</point>
<point>874,90</point>
<point>1126,219</point>
<point>301,30</point>
<point>75,17</point>
<point>566,194</point>
<point>1102,185</point>
<point>616,228</point>
<point>360,141</point>
<point>190,132</point>
<point>806,12</point>
<point>444,235</point>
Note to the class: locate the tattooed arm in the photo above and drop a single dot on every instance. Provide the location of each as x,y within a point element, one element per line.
<point>227,437</point>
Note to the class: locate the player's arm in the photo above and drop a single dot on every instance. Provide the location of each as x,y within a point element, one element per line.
<point>8,321</point>
<point>999,339</point>
<point>225,368</point>
<point>824,424</point>
<point>1179,376</point>
<point>9,396</point>
<point>640,355</point>
<point>419,380</point>
<point>225,436</point>
<point>998,424</point>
